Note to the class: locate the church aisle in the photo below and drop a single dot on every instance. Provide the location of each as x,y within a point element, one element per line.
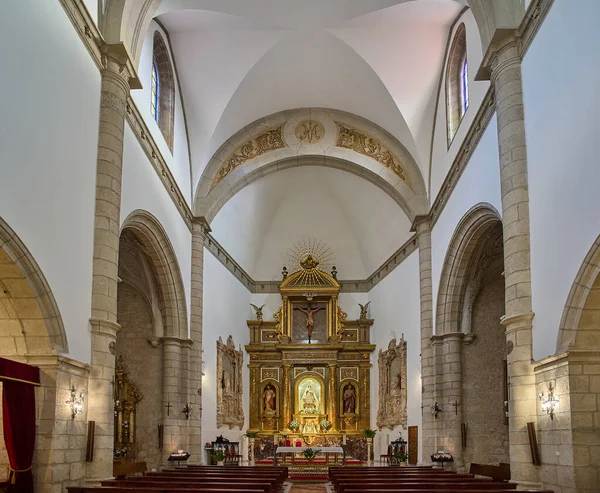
<point>308,488</point>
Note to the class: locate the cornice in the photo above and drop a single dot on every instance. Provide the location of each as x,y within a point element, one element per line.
<point>533,20</point>
<point>86,28</point>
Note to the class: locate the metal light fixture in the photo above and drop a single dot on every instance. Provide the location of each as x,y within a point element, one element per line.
<point>187,410</point>
<point>549,402</point>
<point>75,402</point>
<point>435,409</point>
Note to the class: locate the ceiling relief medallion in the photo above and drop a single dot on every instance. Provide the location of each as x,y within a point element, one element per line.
<point>350,138</point>
<point>264,142</point>
<point>309,131</point>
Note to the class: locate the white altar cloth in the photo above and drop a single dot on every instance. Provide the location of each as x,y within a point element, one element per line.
<point>287,450</point>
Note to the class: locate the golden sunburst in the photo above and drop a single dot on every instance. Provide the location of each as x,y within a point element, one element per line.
<point>309,253</point>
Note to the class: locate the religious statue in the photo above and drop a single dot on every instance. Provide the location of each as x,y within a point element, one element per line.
<point>349,397</point>
<point>258,310</point>
<point>310,323</point>
<point>310,402</point>
<point>269,395</point>
<point>363,310</point>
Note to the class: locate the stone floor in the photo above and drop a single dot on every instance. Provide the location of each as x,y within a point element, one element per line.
<point>309,488</point>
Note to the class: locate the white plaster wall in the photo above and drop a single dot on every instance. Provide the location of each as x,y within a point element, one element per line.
<point>442,155</point>
<point>48,142</point>
<point>143,189</point>
<point>396,309</point>
<point>178,160</point>
<point>226,309</point>
<point>93,7</point>
<point>480,182</point>
<point>561,74</point>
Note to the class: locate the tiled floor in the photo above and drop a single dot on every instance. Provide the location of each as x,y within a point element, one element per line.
<point>308,488</point>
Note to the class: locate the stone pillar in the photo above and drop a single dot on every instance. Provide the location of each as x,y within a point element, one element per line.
<point>199,229</point>
<point>118,76</point>
<point>286,391</point>
<point>172,396</point>
<point>333,396</point>
<point>422,226</point>
<point>504,63</point>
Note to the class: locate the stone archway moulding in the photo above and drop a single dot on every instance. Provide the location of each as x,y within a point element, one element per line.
<point>168,274</point>
<point>478,221</point>
<point>317,137</point>
<point>32,273</point>
<point>578,295</point>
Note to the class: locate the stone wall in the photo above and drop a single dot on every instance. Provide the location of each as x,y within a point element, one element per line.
<point>483,370</point>
<point>144,367</point>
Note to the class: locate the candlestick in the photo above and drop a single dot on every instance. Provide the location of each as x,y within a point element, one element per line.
<point>344,439</point>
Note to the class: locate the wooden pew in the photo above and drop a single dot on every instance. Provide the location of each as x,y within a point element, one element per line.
<point>497,473</point>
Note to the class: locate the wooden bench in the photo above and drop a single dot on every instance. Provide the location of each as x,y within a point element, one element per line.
<point>497,473</point>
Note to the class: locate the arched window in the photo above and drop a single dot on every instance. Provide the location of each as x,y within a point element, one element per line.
<point>457,82</point>
<point>162,104</point>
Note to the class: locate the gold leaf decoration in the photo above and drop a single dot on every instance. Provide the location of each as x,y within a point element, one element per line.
<point>352,139</point>
<point>264,142</point>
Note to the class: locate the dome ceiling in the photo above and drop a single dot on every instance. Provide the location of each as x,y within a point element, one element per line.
<point>239,61</point>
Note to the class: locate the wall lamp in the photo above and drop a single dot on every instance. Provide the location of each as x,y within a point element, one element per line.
<point>187,410</point>
<point>549,402</point>
<point>435,409</point>
<point>75,402</point>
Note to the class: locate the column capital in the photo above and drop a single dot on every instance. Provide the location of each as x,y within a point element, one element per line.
<point>518,322</point>
<point>502,52</point>
<point>420,224</point>
<point>464,337</point>
<point>102,326</point>
<point>116,60</point>
<point>173,341</point>
<point>200,225</point>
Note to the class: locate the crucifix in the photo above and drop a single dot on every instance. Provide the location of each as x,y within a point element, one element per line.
<point>310,323</point>
<point>168,406</point>
<point>455,404</point>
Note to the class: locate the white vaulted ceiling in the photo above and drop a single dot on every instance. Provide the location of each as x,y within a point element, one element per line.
<point>241,60</point>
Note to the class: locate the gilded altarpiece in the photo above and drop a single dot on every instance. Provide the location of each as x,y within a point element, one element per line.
<point>309,364</point>
<point>230,410</point>
<point>126,398</point>
<point>392,385</point>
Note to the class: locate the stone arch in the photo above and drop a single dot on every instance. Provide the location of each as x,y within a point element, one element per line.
<point>455,107</point>
<point>585,283</point>
<point>157,246</point>
<point>18,265</point>
<point>480,220</point>
<point>341,140</point>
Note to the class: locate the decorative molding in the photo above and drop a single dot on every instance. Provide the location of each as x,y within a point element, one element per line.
<point>268,140</point>
<point>392,385</point>
<point>86,28</point>
<point>531,23</point>
<point>350,138</point>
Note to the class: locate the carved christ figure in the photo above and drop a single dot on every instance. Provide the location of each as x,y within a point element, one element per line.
<point>310,323</point>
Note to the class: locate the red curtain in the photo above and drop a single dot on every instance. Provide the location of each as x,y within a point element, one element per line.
<point>18,415</point>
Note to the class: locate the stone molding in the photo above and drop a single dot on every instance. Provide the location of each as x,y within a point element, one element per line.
<point>102,326</point>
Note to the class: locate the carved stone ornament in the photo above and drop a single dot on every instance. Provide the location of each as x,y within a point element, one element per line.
<point>264,142</point>
<point>353,139</point>
<point>230,410</point>
<point>392,385</point>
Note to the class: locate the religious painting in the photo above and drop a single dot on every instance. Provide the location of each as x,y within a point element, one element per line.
<point>309,396</point>
<point>230,410</point>
<point>309,322</point>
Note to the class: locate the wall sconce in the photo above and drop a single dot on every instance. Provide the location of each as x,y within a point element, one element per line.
<point>549,402</point>
<point>187,410</point>
<point>435,409</point>
<point>75,402</point>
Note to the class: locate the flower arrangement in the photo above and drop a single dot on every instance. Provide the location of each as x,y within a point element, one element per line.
<point>325,425</point>
<point>369,433</point>
<point>294,425</point>
<point>219,456</point>
<point>251,434</point>
<point>401,456</point>
<point>310,454</point>
<point>441,456</point>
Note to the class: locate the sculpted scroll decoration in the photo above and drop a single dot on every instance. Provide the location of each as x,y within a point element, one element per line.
<point>392,385</point>
<point>230,410</point>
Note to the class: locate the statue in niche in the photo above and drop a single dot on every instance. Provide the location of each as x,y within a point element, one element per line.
<point>310,323</point>
<point>309,400</point>
<point>349,397</point>
<point>230,410</point>
<point>392,387</point>
<point>269,395</point>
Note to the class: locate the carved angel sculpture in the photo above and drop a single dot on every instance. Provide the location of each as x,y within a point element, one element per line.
<point>258,310</point>
<point>363,310</point>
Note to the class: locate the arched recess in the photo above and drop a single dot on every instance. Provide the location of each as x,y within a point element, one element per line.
<point>479,221</point>
<point>28,299</point>
<point>573,334</point>
<point>157,246</point>
<point>312,137</point>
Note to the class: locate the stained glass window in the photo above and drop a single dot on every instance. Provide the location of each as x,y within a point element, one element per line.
<point>155,91</point>
<point>464,86</point>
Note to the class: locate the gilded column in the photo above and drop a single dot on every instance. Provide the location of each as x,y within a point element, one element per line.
<point>422,226</point>
<point>117,77</point>
<point>286,389</point>
<point>199,229</point>
<point>254,418</point>
<point>504,64</point>
<point>333,396</point>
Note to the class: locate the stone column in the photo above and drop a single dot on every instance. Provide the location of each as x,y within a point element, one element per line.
<point>118,76</point>
<point>333,396</point>
<point>504,65</point>
<point>172,396</point>
<point>199,229</point>
<point>422,226</point>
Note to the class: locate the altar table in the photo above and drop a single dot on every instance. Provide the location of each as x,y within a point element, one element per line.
<point>299,450</point>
